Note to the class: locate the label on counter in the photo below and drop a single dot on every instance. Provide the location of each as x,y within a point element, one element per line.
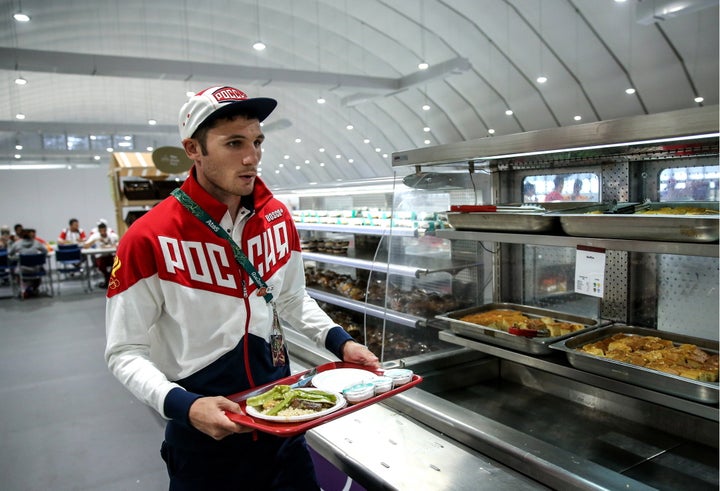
<point>590,271</point>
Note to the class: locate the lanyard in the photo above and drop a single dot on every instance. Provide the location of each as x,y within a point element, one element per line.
<point>240,257</point>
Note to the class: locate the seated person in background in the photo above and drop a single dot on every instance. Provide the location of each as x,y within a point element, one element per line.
<point>73,234</point>
<point>103,239</point>
<point>5,237</point>
<point>44,242</point>
<point>28,245</point>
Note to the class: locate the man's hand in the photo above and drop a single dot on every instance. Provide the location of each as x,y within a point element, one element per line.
<point>357,353</point>
<point>207,414</point>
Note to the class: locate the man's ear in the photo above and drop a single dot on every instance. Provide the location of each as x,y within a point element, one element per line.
<point>192,148</point>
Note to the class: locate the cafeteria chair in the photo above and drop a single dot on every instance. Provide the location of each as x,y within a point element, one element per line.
<point>5,274</point>
<point>32,267</point>
<point>69,265</point>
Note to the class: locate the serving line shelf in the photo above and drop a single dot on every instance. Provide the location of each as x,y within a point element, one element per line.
<point>406,268</point>
<point>358,229</point>
<point>658,247</point>
<point>369,309</point>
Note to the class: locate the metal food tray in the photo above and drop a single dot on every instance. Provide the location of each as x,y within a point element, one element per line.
<point>490,335</point>
<point>504,221</point>
<point>582,222</point>
<point>705,392</point>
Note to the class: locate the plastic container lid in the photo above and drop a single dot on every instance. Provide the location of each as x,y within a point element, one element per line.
<point>359,392</point>
<point>399,376</point>
<point>382,384</point>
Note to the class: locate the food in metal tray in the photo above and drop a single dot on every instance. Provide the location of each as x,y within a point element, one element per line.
<point>685,360</point>
<point>515,322</point>
<point>282,400</point>
<point>679,210</point>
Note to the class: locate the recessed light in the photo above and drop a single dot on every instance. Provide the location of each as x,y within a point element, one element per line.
<point>259,46</point>
<point>109,149</point>
<point>541,79</point>
<point>152,122</point>
<point>277,171</point>
<point>19,116</point>
<point>427,142</point>
<point>577,117</point>
<point>366,140</point>
<point>320,100</point>
<point>307,161</point>
<point>630,91</point>
<point>286,157</point>
<point>699,99</point>
<point>97,157</point>
<point>18,147</point>
<point>322,164</point>
<point>351,161</point>
<point>338,156</point>
<point>425,107</point>
<point>378,149</point>
<point>298,140</point>
<point>20,81</point>
<point>508,112</point>
<point>21,17</point>
<point>18,156</point>
<point>426,129</point>
<point>321,149</point>
<point>349,127</point>
<point>423,66</point>
<point>491,131</point>
<point>281,165</point>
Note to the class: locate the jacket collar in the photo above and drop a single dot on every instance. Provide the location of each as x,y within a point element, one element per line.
<point>261,195</point>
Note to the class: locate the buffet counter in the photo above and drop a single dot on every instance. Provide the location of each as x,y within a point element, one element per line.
<point>479,418</point>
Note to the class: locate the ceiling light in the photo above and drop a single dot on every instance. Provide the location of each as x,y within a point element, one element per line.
<point>152,122</point>
<point>277,171</point>
<point>423,66</point>
<point>351,160</point>
<point>321,149</point>
<point>109,149</point>
<point>286,157</point>
<point>630,91</point>
<point>366,140</point>
<point>281,165</point>
<point>427,142</point>
<point>19,116</point>
<point>699,99</point>
<point>320,100</point>
<point>298,140</point>
<point>21,17</point>
<point>619,1</point>
<point>491,131</point>
<point>385,155</point>
<point>349,127</point>
<point>577,118</point>
<point>149,149</point>
<point>322,164</point>
<point>307,161</point>
<point>124,144</point>
<point>259,46</point>
<point>97,157</point>
<point>508,112</point>
<point>541,79</point>
<point>425,107</point>
<point>378,149</point>
<point>18,147</point>
<point>18,156</point>
<point>20,81</point>
<point>337,156</point>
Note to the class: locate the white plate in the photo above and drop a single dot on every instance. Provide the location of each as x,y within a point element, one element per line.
<point>251,411</point>
<point>341,378</point>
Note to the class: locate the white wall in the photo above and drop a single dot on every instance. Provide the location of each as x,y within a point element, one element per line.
<point>46,199</point>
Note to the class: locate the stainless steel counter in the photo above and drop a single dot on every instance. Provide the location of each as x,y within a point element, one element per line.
<point>520,426</point>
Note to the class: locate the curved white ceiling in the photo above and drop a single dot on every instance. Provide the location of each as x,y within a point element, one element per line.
<point>103,66</point>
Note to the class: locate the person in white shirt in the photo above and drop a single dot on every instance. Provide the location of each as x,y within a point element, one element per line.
<point>103,239</point>
<point>73,234</point>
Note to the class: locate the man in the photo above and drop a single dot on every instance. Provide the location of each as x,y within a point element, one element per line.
<point>73,234</point>
<point>102,238</point>
<point>187,324</point>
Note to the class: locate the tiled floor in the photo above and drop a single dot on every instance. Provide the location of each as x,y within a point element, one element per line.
<point>65,422</point>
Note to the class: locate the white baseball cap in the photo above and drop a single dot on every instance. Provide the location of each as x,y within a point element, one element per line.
<point>217,102</point>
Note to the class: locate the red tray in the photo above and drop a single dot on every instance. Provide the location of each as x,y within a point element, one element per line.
<point>291,429</point>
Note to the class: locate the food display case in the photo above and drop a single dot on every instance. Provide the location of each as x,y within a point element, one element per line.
<point>534,409</point>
